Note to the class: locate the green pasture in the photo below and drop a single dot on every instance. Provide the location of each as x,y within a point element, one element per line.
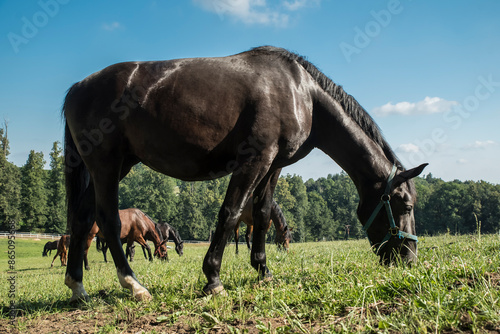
<point>317,287</point>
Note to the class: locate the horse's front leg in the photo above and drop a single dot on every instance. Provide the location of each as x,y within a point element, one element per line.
<point>248,235</point>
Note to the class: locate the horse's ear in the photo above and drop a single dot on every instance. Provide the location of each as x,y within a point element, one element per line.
<point>407,175</point>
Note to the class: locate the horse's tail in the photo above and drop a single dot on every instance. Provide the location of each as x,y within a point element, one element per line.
<point>76,174</point>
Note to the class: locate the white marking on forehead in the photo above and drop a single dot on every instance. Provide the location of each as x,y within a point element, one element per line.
<point>129,82</point>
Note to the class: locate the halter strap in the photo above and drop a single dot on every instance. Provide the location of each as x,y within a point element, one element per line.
<point>393,229</point>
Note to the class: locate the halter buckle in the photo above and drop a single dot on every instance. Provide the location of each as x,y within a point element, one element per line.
<point>385,198</point>
<point>394,231</point>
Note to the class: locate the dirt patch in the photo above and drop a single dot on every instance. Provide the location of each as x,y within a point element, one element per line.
<point>86,322</point>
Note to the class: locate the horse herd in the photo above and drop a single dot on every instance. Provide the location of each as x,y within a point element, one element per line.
<point>136,226</point>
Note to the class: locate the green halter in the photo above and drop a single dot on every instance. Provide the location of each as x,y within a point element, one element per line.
<point>394,231</point>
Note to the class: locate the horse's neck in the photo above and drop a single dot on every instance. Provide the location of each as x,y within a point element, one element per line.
<point>277,218</point>
<point>339,136</point>
<point>173,235</point>
<point>153,236</point>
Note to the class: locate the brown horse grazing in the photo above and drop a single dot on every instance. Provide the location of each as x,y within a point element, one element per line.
<point>283,233</point>
<point>49,247</point>
<point>62,250</point>
<point>135,226</point>
<point>248,115</point>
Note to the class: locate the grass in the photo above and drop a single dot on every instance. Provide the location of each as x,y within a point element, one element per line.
<point>317,287</point>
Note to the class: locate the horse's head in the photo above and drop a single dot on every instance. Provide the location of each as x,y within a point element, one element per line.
<point>179,248</point>
<point>386,211</point>
<point>283,238</point>
<point>161,250</point>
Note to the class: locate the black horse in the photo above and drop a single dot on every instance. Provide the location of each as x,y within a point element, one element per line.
<point>248,115</point>
<point>49,247</point>
<point>170,233</point>
<point>101,246</point>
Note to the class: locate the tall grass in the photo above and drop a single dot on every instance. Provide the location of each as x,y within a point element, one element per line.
<point>317,287</point>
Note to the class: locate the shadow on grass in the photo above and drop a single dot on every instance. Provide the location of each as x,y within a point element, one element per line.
<point>24,308</point>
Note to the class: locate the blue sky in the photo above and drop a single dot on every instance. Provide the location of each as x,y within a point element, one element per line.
<point>427,71</point>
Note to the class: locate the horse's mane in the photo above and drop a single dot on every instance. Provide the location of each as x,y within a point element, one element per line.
<point>277,210</point>
<point>348,103</point>
<point>177,235</point>
<point>157,228</point>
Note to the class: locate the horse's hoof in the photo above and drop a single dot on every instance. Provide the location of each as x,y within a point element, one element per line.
<point>143,296</point>
<point>267,276</point>
<point>78,299</point>
<point>87,268</point>
<point>218,290</point>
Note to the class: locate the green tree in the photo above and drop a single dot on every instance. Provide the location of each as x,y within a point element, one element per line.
<point>342,198</point>
<point>33,193</point>
<point>149,191</point>
<point>319,221</point>
<point>10,190</point>
<point>211,195</point>
<point>56,215</point>
<point>190,220</point>
<point>295,215</point>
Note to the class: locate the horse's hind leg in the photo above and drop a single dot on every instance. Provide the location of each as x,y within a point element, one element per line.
<point>80,220</point>
<point>261,212</point>
<point>240,187</point>
<point>108,219</point>
<point>55,257</point>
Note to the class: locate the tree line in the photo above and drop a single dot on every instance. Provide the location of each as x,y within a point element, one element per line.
<point>34,198</point>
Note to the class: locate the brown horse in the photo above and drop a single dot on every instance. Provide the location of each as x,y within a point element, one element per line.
<point>283,233</point>
<point>248,115</point>
<point>62,250</point>
<point>135,226</point>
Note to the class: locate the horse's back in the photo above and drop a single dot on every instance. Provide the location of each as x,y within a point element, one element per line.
<point>188,118</point>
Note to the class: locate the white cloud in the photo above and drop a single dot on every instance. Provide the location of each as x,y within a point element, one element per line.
<point>477,145</point>
<point>297,4</point>
<point>254,11</point>
<point>408,148</point>
<point>429,105</point>
<point>112,26</point>
<point>462,161</point>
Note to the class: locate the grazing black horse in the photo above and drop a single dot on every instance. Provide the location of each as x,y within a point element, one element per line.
<point>168,232</point>
<point>49,247</point>
<point>248,114</point>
